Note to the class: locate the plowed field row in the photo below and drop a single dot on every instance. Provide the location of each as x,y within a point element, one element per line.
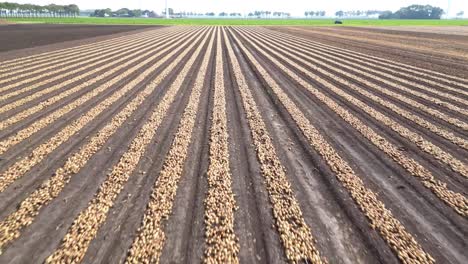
<point>229,145</point>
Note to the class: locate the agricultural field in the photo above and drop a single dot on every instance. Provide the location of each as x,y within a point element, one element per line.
<point>441,49</point>
<point>22,36</point>
<point>238,21</point>
<point>191,144</point>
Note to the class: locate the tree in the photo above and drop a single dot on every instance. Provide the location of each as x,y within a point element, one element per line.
<point>460,14</point>
<point>414,12</point>
<point>9,7</point>
<point>123,12</point>
<point>135,13</point>
<point>74,9</point>
<point>386,15</point>
<point>419,12</point>
<point>339,13</point>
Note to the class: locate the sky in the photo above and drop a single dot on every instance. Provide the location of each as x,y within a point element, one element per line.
<point>295,7</point>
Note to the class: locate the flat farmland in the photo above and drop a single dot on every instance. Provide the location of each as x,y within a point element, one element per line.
<point>19,36</point>
<point>442,49</point>
<point>212,144</point>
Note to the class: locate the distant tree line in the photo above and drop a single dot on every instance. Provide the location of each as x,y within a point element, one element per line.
<point>123,12</point>
<point>314,13</point>
<point>268,14</point>
<point>224,14</point>
<point>358,13</point>
<point>189,14</point>
<point>174,14</point>
<point>8,9</point>
<point>414,12</point>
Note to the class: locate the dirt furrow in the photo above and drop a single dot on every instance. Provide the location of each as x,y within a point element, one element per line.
<point>221,242</point>
<point>232,144</point>
<point>394,43</point>
<point>420,72</point>
<point>424,73</point>
<point>11,65</point>
<point>108,68</point>
<point>425,145</point>
<point>334,59</point>
<point>296,236</point>
<point>402,243</point>
<point>7,92</point>
<point>148,243</point>
<point>451,120</point>
<point>39,80</point>
<point>86,225</point>
<point>455,200</point>
<point>10,228</point>
<point>52,117</point>
<point>76,60</point>
<point>373,67</point>
<point>38,154</point>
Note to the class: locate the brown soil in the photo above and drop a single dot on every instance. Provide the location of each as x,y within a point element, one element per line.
<point>5,22</point>
<point>300,154</point>
<point>22,36</point>
<point>444,30</point>
<point>415,48</point>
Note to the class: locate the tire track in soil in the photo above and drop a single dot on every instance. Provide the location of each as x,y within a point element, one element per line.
<point>188,209</point>
<point>456,201</point>
<point>221,242</point>
<point>402,243</point>
<point>22,166</point>
<point>86,225</point>
<point>296,236</point>
<point>150,239</point>
<point>254,222</point>
<point>424,145</point>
